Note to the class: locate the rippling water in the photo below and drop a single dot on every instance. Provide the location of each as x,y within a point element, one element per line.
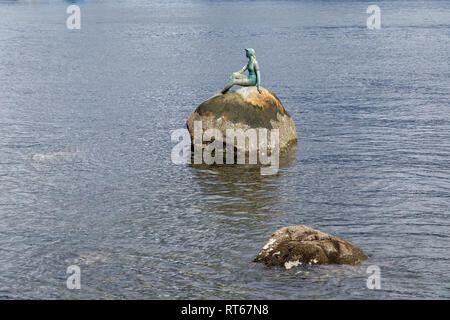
<point>85,170</point>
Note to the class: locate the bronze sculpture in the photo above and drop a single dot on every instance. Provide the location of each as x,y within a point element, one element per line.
<point>254,77</point>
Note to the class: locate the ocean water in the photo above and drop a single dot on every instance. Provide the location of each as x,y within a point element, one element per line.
<point>86,176</point>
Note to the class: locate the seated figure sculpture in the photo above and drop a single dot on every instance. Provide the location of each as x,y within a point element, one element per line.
<point>254,77</point>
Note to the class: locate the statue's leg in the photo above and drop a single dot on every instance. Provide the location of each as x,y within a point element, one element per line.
<point>238,75</point>
<point>227,87</point>
<point>245,82</point>
<point>236,78</point>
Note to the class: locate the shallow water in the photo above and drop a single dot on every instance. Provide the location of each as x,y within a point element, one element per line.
<point>86,176</point>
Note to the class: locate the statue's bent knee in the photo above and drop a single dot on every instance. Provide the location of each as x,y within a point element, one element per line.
<point>233,76</point>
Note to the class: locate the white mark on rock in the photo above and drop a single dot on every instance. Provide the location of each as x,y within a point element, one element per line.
<point>268,244</point>
<point>289,264</point>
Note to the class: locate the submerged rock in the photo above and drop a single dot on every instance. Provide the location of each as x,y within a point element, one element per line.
<point>244,109</point>
<point>299,245</point>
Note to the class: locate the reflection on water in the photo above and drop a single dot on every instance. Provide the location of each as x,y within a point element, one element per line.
<point>241,190</point>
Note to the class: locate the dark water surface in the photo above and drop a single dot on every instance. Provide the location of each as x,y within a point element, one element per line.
<point>86,176</point>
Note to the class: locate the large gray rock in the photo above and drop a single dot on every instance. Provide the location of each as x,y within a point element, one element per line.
<point>243,109</point>
<point>299,245</point>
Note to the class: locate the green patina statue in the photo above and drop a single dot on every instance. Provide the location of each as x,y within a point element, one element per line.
<point>254,77</point>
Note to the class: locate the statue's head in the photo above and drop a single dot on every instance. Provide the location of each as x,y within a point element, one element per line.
<point>249,52</point>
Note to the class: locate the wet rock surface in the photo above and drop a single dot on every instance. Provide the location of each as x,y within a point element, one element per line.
<point>244,109</point>
<point>300,245</point>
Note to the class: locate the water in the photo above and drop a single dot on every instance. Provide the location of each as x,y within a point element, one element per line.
<point>85,170</point>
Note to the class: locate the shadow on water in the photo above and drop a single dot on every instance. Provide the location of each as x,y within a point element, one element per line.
<point>241,190</point>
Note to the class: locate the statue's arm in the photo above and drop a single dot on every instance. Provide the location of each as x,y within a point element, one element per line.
<point>243,69</point>
<point>258,77</point>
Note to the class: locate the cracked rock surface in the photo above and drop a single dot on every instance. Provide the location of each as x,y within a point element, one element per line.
<point>299,245</point>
